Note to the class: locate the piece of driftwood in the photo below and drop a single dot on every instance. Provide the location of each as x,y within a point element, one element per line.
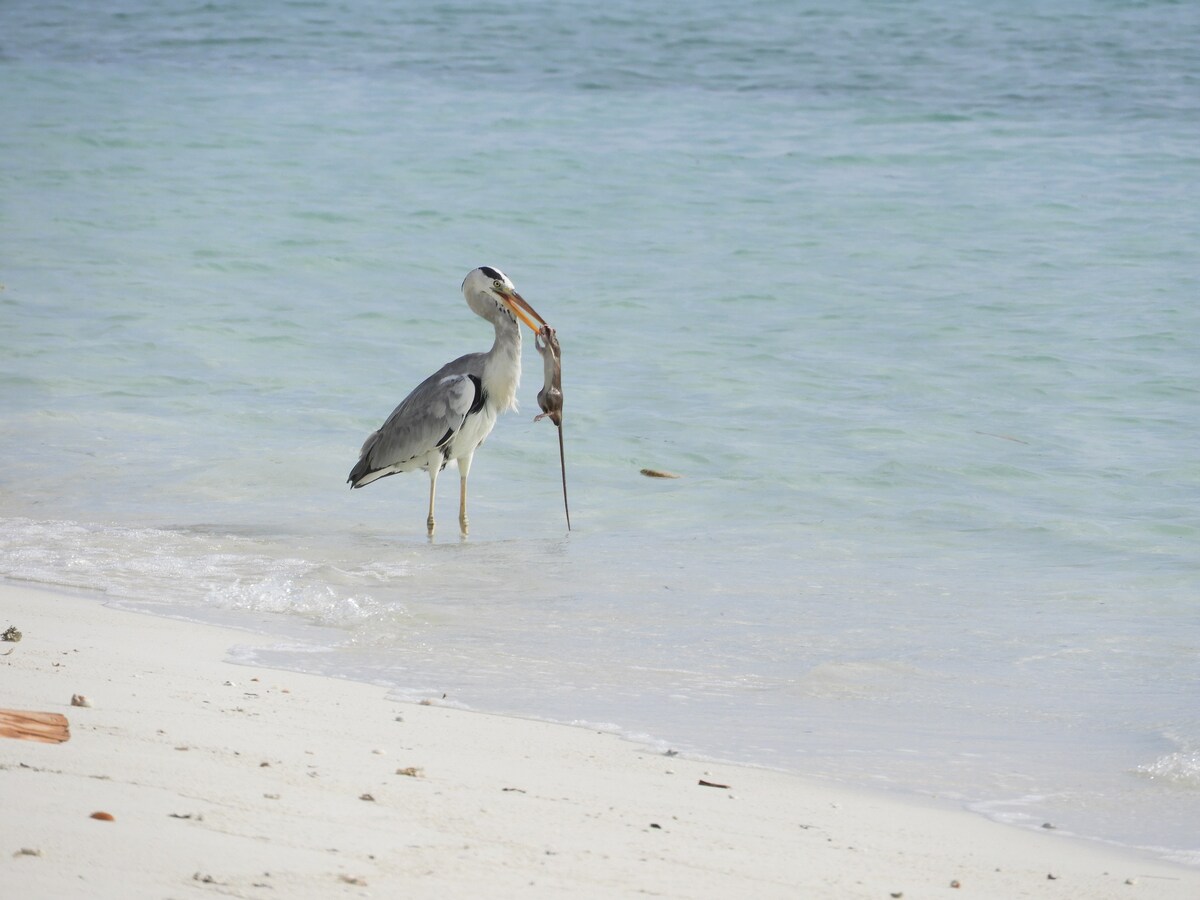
<point>49,728</point>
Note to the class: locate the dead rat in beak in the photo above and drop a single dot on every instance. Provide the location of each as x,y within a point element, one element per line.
<point>550,397</point>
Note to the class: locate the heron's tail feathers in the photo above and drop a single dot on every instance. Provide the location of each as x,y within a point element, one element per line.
<point>362,474</point>
<point>360,477</point>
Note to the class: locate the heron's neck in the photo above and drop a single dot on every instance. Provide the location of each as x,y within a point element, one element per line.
<point>502,370</point>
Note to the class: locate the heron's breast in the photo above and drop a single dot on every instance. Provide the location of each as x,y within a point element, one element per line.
<point>501,375</point>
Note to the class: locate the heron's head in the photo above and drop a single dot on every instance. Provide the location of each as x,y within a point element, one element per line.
<point>491,295</point>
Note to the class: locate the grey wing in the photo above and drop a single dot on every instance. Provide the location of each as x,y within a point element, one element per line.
<point>424,421</point>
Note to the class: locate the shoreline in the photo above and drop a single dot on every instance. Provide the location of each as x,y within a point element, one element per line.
<point>244,781</point>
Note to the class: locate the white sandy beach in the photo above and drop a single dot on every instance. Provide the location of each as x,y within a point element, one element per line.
<point>232,781</point>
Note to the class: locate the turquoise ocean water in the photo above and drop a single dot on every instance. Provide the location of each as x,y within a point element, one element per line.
<point>908,293</point>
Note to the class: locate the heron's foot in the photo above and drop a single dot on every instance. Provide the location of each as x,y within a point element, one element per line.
<point>429,525</point>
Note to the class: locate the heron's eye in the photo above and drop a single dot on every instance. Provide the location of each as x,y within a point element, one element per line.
<point>497,285</point>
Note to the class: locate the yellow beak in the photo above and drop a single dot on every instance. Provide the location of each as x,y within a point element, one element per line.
<point>523,310</point>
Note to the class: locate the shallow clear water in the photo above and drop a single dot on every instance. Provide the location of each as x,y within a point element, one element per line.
<point>906,294</point>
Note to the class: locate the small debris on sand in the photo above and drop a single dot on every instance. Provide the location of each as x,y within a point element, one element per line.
<point>411,771</point>
<point>49,728</point>
<point>28,851</point>
<point>366,797</point>
<point>80,700</point>
<point>11,633</point>
<point>103,816</point>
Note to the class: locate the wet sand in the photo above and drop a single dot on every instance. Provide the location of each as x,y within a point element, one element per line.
<point>236,781</point>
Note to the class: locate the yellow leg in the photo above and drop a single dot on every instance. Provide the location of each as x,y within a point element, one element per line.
<point>433,474</point>
<point>464,469</point>
<point>462,504</point>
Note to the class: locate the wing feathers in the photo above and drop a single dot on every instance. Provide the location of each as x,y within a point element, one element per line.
<point>425,421</point>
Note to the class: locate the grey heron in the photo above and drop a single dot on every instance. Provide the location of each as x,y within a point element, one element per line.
<point>448,415</point>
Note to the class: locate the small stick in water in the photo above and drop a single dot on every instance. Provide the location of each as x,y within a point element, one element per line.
<point>550,397</point>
